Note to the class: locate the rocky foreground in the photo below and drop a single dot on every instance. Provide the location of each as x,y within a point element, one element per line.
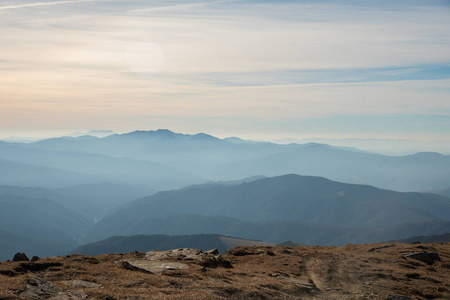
<point>370,271</point>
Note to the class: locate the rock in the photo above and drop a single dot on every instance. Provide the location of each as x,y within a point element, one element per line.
<point>77,295</point>
<point>20,257</point>
<point>130,265</point>
<point>37,267</point>
<point>302,284</point>
<point>381,247</point>
<point>91,260</point>
<point>212,251</point>
<point>269,252</point>
<point>35,258</point>
<point>152,266</point>
<point>8,273</point>
<point>180,254</point>
<point>215,262</point>
<point>427,257</point>
<point>397,297</point>
<point>290,243</point>
<point>83,284</point>
<point>37,288</point>
<point>243,251</point>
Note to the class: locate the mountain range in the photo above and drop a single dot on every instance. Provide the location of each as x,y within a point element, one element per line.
<point>164,159</point>
<point>309,210</point>
<point>159,242</point>
<point>57,194</point>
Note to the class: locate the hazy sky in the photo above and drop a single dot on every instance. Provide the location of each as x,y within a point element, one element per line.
<point>248,68</point>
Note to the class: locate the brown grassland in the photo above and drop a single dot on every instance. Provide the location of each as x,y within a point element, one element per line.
<point>369,271</point>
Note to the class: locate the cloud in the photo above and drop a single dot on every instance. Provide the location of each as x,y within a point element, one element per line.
<point>244,63</point>
<point>41,4</point>
<point>163,8</point>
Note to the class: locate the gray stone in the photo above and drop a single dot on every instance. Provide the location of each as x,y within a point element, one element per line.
<point>152,266</point>
<point>77,295</point>
<point>212,251</point>
<point>427,257</point>
<point>180,254</point>
<point>37,288</point>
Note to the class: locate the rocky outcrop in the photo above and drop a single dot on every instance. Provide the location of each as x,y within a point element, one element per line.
<point>152,266</point>
<point>179,254</point>
<point>38,288</point>
<point>20,257</point>
<point>157,262</point>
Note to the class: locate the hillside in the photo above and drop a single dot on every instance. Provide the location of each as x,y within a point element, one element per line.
<point>445,192</point>
<point>287,202</point>
<point>125,244</point>
<point>426,239</point>
<point>37,245</point>
<point>24,220</point>
<point>372,271</point>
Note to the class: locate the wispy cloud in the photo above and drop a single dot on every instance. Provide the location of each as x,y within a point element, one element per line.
<point>143,11</point>
<point>41,4</point>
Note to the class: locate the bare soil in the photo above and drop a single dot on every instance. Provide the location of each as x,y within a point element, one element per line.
<point>370,271</point>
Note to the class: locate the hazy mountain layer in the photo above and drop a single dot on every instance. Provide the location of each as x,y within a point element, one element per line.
<point>144,243</point>
<point>425,239</point>
<point>211,158</point>
<point>93,201</point>
<point>38,225</point>
<point>275,232</point>
<point>96,167</point>
<point>22,174</point>
<point>292,207</point>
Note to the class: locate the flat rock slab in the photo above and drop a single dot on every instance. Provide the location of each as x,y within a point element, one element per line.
<point>83,284</point>
<point>305,285</point>
<point>152,266</point>
<point>181,254</point>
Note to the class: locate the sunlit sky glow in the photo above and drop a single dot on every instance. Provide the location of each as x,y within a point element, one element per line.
<point>255,69</point>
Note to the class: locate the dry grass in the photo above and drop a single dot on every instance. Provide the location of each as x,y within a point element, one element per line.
<point>350,272</point>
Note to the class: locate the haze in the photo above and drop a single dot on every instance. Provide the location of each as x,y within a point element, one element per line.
<point>264,70</point>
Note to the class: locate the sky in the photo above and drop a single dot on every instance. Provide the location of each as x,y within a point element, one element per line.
<point>258,69</point>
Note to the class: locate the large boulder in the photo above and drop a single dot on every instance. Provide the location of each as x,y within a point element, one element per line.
<point>20,257</point>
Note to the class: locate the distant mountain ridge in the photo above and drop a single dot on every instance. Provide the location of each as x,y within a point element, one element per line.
<point>291,201</point>
<point>425,239</point>
<point>205,157</point>
<point>145,243</point>
<point>93,176</point>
